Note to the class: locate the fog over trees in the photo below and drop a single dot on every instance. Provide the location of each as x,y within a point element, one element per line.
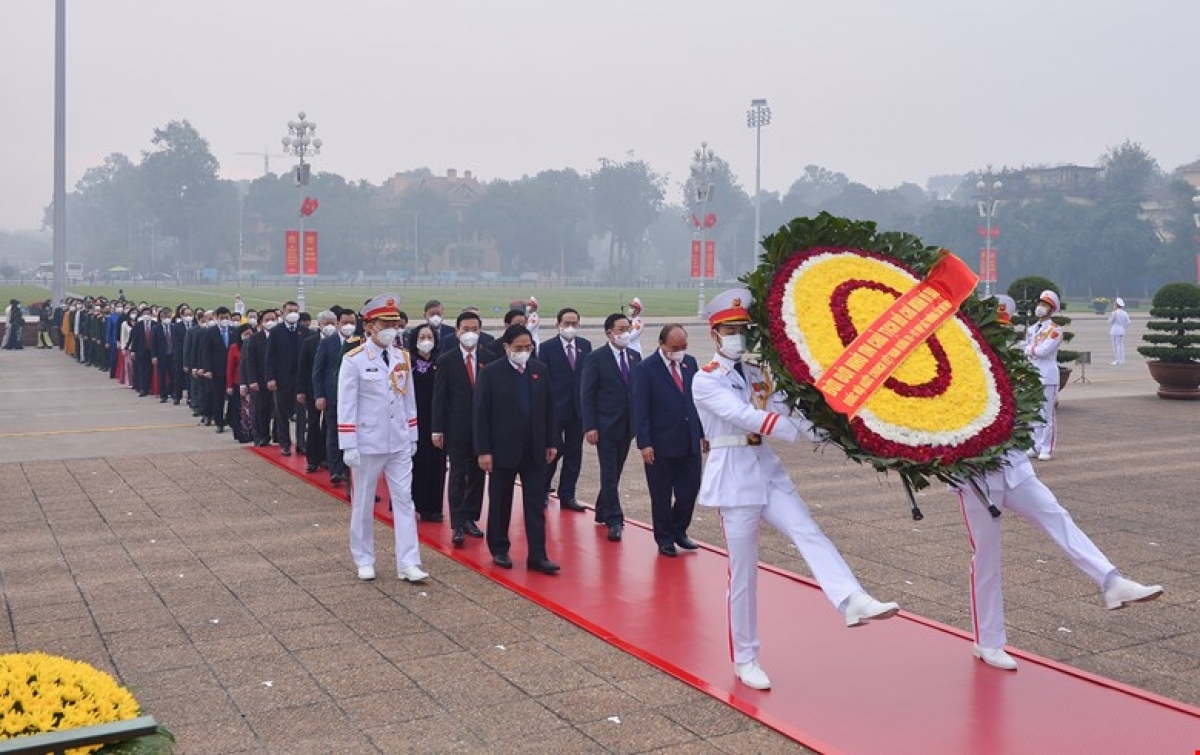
<point>1123,225</point>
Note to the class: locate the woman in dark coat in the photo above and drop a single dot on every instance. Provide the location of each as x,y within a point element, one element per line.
<point>429,463</point>
<point>16,321</point>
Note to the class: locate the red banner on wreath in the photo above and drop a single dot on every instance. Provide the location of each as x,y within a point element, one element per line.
<point>310,252</point>
<point>291,252</point>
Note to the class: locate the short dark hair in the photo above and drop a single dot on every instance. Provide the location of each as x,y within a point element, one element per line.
<point>666,331</point>
<point>611,320</point>
<point>513,332</point>
<point>222,310</point>
<point>566,311</point>
<point>403,315</point>
<point>467,315</point>
<point>512,314</point>
<point>431,304</point>
<point>290,303</point>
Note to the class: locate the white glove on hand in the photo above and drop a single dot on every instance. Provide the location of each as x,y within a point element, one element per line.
<point>352,457</point>
<point>811,431</point>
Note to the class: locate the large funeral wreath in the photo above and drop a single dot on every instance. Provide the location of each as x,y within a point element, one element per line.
<point>950,411</point>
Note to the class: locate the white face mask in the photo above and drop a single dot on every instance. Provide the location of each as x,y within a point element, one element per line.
<point>119,311</point>
<point>386,337</point>
<point>434,320</point>
<point>519,358</point>
<point>568,333</point>
<point>270,324</point>
<point>469,339</point>
<point>188,319</point>
<point>291,318</point>
<point>224,323</point>
<point>621,340</point>
<point>252,320</point>
<point>1041,310</point>
<point>328,330</point>
<point>676,356</point>
<point>733,346</point>
<point>347,330</point>
<point>424,346</point>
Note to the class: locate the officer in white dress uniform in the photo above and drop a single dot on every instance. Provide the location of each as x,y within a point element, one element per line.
<point>747,483</point>
<point>635,325</point>
<point>377,432</point>
<point>1015,488</point>
<point>1042,340</point>
<point>1118,322</point>
<point>533,322</point>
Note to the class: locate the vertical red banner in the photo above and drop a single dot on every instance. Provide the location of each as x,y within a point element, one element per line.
<point>991,269</point>
<point>291,252</point>
<point>310,252</point>
<point>696,258</point>
<point>710,259</point>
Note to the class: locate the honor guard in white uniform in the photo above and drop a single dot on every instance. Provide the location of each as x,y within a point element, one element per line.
<point>1042,340</point>
<point>745,480</point>
<point>377,432</point>
<point>533,322</point>
<point>635,325</point>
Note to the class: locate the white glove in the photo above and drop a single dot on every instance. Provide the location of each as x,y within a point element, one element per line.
<point>352,457</point>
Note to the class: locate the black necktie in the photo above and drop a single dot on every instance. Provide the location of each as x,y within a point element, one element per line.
<point>737,366</point>
<point>384,354</point>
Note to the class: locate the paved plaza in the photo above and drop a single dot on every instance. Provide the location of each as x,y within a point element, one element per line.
<point>220,588</point>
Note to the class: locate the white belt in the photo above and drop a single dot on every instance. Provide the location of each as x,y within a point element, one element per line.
<point>728,441</point>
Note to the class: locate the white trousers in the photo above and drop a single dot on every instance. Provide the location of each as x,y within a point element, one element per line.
<point>1033,502</point>
<point>397,470</point>
<point>786,512</point>
<point>1044,431</point>
<point>1118,344</point>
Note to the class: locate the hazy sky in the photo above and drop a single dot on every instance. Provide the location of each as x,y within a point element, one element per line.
<point>882,90</point>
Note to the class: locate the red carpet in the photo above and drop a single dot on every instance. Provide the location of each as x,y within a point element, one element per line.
<point>907,685</point>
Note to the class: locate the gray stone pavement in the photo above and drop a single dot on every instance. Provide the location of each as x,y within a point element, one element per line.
<point>221,590</point>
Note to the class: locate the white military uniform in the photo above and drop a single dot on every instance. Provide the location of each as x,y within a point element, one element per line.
<point>1118,322</point>
<point>533,323</point>
<point>1042,340</point>
<point>749,484</point>
<point>1017,489</point>
<point>377,414</point>
<point>635,328</point>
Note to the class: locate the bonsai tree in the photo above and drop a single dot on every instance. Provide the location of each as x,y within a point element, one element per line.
<point>1175,336</point>
<point>1025,292</point>
<point>1100,304</point>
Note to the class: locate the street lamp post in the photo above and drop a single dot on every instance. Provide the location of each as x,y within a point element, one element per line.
<point>301,143</point>
<point>987,211</point>
<point>757,116</point>
<point>1196,220</point>
<point>703,165</point>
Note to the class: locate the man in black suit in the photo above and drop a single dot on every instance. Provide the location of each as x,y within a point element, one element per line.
<point>485,339</point>
<point>141,343</point>
<point>314,431</point>
<point>511,317</point>
<point>514,435</point>
<point>214,360</point>
<point>191,342</point>
<point>604,400</point>
<point>669,435</point>
<point>326,363</point>
<point>162,353</point>
<point>453,425</point>
<point>254,377</point>
<point>564,357</point>
<point>443,334</point>
<point>179,331</point>
<point>282,358</point>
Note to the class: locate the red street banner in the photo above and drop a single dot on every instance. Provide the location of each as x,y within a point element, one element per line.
<point>696,258</point>
<point>994,231</point>
<point>310,252</point>
<point>291,252</point>
<point>987,265</point>
<point>710,259</point>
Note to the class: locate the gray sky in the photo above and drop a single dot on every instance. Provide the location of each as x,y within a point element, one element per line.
<point>881,90</point>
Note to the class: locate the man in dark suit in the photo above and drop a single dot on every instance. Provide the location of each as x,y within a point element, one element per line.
<point>669,435</point>
<point>214,359</point>
<point>514,435</point>
<point>254,376</point>
<point>179,332</point>
<point>282,358</point>
<point>326,363</point>
<point>511,317</point>
<point>485,339</point>
<point>453,425</point>
<point>191,351</point>
<point>314,431</point>
<point>604,401</point>
<point>443,334</point>
<point>141,343</point>
<point>564,357</point>
<point>162,353</point>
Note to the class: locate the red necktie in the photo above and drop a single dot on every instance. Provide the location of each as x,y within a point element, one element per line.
<point>470,370</point>
<point>675,374</point>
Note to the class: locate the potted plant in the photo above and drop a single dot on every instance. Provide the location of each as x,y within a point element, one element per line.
<point>1100,305</point>
<point>1173,341</point>
<point>1025,292</point>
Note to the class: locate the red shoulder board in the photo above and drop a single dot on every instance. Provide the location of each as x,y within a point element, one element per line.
<point>711,366</point>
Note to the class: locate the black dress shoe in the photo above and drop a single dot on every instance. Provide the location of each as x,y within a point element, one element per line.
<point>686,543</point>
<point>176,402</point>
<point>287,451</point>
<point>570,504</point>
<point>435,518</point>
<point>543,565</point>
<point>220,429</point>
<point>311,468</point>
<point>668,550</point>
<point>614,532</point>
<point>473,529</point>
<point>336,479</point>
<point>459,537</point>
<point>207,422</point>
<point>502,560</point>
<point>162,400</point>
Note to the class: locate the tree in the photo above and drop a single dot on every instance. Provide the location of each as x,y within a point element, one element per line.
<point>626,199</point>
<point>1129,171</point>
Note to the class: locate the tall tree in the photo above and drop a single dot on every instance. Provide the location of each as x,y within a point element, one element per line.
<point>627,197</point>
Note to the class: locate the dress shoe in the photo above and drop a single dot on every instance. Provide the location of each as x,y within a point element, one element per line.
<point>435,518</point>
<point>162,400</point>
<point>995,657</point>
<point>1044,456</point>
<point>336,479</point>
<point>413,574</point>
<point>473,529</point>
<point>207,422</point>
<point>311,468</point>
<point>176,402</point>
<point>668,550</point>
<point>1031,453</point>
<point>614,532</point>
<point>1121,592</point>
<point>220,429</point>
<point>286,451</point>
<point>570,504</point>
<point>861,608</point>
<point>752,675</point>
<point>502,560</point>
<point>459,537</point>
<point>543,565</point>
<point>366,573</point>
<point>686,543</point>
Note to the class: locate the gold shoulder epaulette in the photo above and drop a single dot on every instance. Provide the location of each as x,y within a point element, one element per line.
<point>356,349</point>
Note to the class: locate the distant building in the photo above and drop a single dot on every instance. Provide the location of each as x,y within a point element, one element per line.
<point>1075,183</point>
<point>470,253</point>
